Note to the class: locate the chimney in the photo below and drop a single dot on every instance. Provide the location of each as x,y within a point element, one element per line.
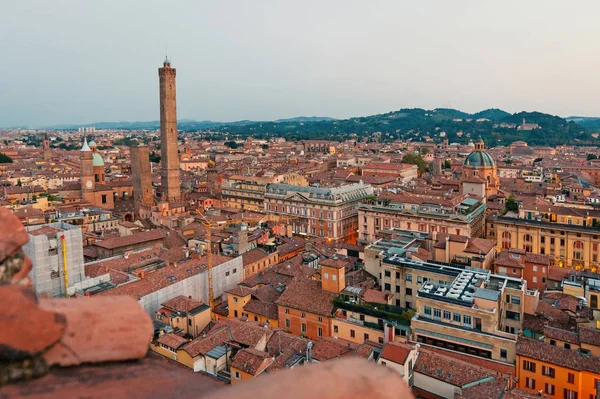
<point>447,252</point>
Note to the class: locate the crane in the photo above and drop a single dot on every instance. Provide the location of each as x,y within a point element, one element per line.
<point>209,255</point>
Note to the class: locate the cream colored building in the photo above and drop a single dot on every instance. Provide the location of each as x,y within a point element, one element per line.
<point>460,215</point>
<point>565,234</point>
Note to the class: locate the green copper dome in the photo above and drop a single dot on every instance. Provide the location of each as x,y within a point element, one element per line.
<point>92,143</point>
<point>478,159</point>
<point>97,160</point>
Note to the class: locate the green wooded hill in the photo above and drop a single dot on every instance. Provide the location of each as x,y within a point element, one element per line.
<point>493,125</point>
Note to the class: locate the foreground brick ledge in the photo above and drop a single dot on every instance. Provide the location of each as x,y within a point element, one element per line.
<point>12,234</point>
<point>337,379</point>
<point>99,329</point>
<point>27,330</point>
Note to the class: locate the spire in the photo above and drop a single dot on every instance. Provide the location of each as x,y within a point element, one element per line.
<point>85,146</point>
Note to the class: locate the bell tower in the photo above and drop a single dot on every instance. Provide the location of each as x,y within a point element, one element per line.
<point>46,148</point>
<point>169,163</point>
<point>87,172</point>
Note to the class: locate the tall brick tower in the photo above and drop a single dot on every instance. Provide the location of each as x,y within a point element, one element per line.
<point>143,198</point>
<point>87,173</point>
<point>169,163</point>
<point>46,148</point>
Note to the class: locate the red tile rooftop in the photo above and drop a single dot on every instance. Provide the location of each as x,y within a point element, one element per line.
<point>172,340</point>
<point>158,279</point>
<point>567,358</point>
<point>307,295</point>
<point>395,353</point>
<point>251,361</point>
<point>138,238</point>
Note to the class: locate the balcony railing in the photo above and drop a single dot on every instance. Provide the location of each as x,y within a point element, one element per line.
<point>381,311</point>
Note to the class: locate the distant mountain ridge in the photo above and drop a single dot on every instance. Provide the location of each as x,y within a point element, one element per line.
<point>494,125</point>
<point>183,123</point>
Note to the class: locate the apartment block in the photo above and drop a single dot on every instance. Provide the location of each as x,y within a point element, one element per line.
<point>460,215</point>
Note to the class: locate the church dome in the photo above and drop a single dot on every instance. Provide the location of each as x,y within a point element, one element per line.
<point>92,143</point>
<point>97,160</point>
<point>471,144</point>
<point>478,159</point>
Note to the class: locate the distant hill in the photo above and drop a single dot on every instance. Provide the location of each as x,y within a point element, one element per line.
<point>500,128</point>
<point>497,127</point>
<point>184,124</point>
<point>592,123</point>
<point>493,114</point>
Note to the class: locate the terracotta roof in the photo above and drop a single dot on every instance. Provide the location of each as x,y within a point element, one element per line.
<point>567,358</point>
<point>172,340</point>
<point>307,295</point>
<point>374,296</point>
<point>201,345</point>
<point>132,239</point>
<point>182,303</point>
<point>282,340</point>
<point>267,294</point>
<point>329,348</point>
<point>556,273</point>
<point>537,259</point>
<point>165,276</point>
<point>479,245</point>
<point>251,361</point>
<point>560,334</point>
<point>260,308</point>
<point>395,353</point>
<point>240,290</point>
<point>253,256</point>
<point>335,263</point>
<point>45,230</point>
<point>589,336</point>
<point>509,261</point>
<point>247,333</point>
<point>450,370</point>
<point>364,350</point>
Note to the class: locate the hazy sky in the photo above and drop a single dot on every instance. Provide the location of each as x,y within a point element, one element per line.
<point>80,61</point>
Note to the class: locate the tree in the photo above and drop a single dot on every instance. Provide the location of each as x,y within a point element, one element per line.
<point>591,156</point>
<point>154,157</point>
<point>511,204</point>
<point>231,144</point>
<point>19,184</point>
<point>447,164</point>
<point>265,146</point>
<point>415,159</point>
<point>5,158</point>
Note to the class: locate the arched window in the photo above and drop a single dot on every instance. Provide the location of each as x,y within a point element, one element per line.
<point>578,250</point>
<point>528,243</point>
<point>506,240</point>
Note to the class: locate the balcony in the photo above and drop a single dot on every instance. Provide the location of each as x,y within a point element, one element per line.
<point>386,312</point>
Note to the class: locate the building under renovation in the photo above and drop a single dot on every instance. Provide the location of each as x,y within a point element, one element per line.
<point>56,250</point>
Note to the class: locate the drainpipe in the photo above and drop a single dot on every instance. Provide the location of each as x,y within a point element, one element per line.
<point>64,253</point>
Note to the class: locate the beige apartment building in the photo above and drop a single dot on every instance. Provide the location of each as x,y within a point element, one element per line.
<point>458,307</point>
<point>244,192</point>
<point>460,215</point>
<point>567,235</point>
<point>247,192</point>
